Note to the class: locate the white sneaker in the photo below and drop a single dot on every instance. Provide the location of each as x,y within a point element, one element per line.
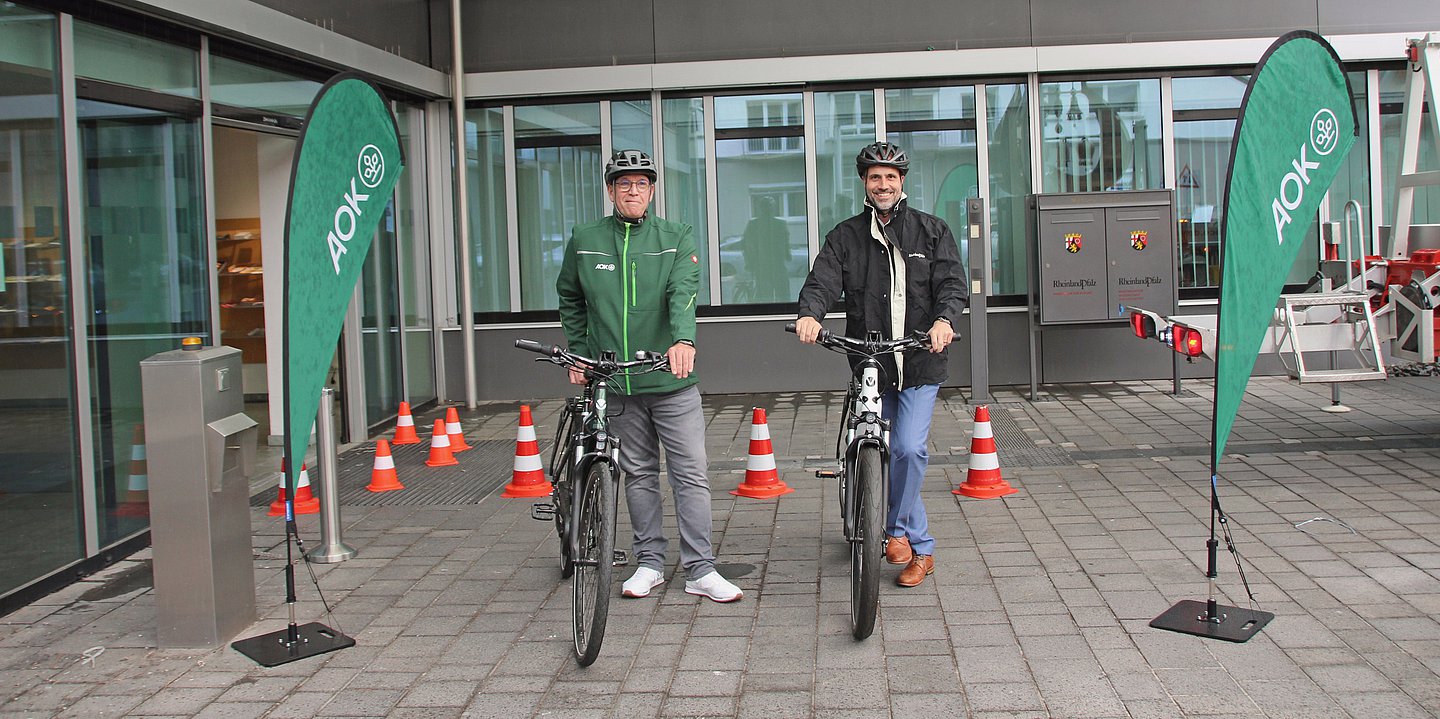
<point>641,582</point>
<point>714,586</point>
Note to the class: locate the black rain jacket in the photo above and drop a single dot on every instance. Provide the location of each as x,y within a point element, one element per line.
<point>856,265</point>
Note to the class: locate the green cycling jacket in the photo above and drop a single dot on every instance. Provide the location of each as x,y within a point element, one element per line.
<point>630,286</point>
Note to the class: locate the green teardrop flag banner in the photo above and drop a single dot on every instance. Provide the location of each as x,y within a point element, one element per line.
<point>346,165</point>
<point>1296,126</point>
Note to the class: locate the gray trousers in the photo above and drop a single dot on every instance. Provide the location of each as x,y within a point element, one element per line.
<point>676,422</point>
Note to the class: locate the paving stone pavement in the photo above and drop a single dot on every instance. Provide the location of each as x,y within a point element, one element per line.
<point>1039,606</point>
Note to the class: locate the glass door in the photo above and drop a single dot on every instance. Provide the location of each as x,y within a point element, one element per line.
<point>39,492</point>
<point>147,273</point>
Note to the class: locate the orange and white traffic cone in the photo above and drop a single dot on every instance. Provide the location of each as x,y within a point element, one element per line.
<point>440,454</point>
<point>405,427</point>
<point>382,474</point>
<point>761,479</point>
<point>983,481</point>
<point>452,428</point>
<point>137,487</point>
<point>528,479</point>
<point>305,500</point>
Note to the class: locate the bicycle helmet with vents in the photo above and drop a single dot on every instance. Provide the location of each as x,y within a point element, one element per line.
<point>882,153</point>
<point>625,162</point>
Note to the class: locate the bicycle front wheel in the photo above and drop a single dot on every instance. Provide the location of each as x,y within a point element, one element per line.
<point>866,546</point>
<point>594,562</point>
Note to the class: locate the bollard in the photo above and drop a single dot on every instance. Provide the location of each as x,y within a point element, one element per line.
<point>332,548</point>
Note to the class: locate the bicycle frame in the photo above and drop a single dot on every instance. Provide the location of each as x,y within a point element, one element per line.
<point>863,426</point>
<point>591,443</point>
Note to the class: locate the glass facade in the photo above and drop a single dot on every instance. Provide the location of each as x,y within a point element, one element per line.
<point>1099,135</point>
<point>126,59</point>
<point>489,216</point>
<point>417,301</point>
<point>683,176</point>
<point>936,127</point>
<point>1007,122</point>
<point>760,169</point>
<point>380,323</point>
<point>1206,109</point>
<point>844,123</point>
<point>559,183</point>
<point>39,485</point>
<point>241,84</point>
<point>147,273</point>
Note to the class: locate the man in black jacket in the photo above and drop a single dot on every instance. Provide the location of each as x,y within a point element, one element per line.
<point>899,271</point>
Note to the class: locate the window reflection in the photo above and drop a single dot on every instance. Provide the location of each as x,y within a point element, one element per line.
<point>39,492</point>
<point>489,243</point>
<point>760,168</point>
<point>684,176</point>
<point>1099,135</point>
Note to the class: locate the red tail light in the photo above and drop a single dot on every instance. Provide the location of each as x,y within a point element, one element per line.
<point>1143,325</point>
<point>1187,341</point>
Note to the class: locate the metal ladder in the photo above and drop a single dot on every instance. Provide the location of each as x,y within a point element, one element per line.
<point>1342,319</point>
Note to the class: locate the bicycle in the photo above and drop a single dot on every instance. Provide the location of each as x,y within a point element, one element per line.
<point>863,450</point>
<point>584,463</point>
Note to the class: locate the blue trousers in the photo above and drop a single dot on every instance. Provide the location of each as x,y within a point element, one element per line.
<point>909,412</point>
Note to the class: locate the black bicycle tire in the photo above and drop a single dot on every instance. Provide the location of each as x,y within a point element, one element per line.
<point>590,596</point>
<point>866,550</point>
<point>564,486</point>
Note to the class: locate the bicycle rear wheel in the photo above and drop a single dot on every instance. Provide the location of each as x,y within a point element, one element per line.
<point>594,562</point>
<point>866,547</point>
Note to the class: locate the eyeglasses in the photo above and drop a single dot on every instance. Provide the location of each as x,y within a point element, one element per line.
<point>638,185</point>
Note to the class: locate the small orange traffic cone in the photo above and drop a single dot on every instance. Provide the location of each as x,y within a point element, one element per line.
<point>137,487</point>
<point>761,479</point>
<point>382,475</point>
<point>440,454</point>
<point>528,479</point>
<point>305,500</point>
<point>983,481</point>
<point>405,427</point>
<point>452,428</point>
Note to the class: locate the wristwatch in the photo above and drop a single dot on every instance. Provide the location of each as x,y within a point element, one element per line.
<point>685,342</point>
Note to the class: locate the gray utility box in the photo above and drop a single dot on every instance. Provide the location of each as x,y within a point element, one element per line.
<point>1102,251</point>
<point>200,446</point>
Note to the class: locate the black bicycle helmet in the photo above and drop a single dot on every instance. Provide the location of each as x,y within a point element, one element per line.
<point>625,162</point>
<point>882,153</point>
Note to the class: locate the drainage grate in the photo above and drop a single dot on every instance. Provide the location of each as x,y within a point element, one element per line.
<point>484,468</point>
<point>1018,450</point>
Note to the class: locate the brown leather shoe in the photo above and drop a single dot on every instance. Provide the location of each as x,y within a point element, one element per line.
<point>897,550</point>
<point>913,574</point>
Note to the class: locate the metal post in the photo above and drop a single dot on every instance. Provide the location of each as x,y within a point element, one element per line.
<point>979,246</point>
<point>332,549</point>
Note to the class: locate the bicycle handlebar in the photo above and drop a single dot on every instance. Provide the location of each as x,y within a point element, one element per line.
<point>868,348</point>
<point>644,360</point>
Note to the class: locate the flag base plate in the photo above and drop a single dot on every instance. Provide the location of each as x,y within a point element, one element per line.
<point>1233,624</point>
<point>275,648</point>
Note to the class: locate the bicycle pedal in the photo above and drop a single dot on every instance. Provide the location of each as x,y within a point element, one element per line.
<point>827,473</point>
<point>543,511</point>
<point>620,558</point>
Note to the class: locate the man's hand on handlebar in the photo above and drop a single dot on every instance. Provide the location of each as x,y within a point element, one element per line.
<point>682,359</point>
<point>807,329</point>
<point>941,334</point>
<point>576,376</point>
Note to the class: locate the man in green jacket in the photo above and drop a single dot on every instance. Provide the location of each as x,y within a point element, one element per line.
<point>628,283</point>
